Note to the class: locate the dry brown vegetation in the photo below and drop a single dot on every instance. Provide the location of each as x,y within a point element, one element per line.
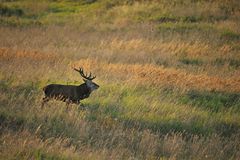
<point>168,75</point>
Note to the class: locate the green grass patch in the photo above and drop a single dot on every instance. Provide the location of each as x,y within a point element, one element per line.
<point>14,22</point>
<point>164,18</point>
<point>226,129</point>
<point>219,62</point>
<point>212,101</point>
<point>110,116</point>
<point>185,27</point>
<point>43,12</point>
<point>142,107</point>
<point>169,126</point>
<point>191,19</point>
<point>39,154</point>
<point>233,63</point>
<point>7,11</point>
<point>230,35</point>
<point>11,121</point>
<point>170,18</point>
<point>189,61</point>
<point>62,8</point>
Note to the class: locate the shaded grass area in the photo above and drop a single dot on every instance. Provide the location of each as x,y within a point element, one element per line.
<point>105,15</point>
<point>7,11</point>
<point>234,63</point>
<point>185,27</point>
<point>138,107</point>
<point>230,35</point>
<point>166,18</point>
<point>203,31</point>
<point>40,154</point>
<point>213,101</point>
<point>188,61</point>
<point>111,120</point>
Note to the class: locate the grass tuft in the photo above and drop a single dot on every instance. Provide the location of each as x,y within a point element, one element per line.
<point>230,35</point>
<point>7,11</point>
<point>188,61</point>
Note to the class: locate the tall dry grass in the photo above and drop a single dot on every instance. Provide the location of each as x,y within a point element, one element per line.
<point>133,48</point>
<point>134,126</point>
<point>168,73</point>
<point>147,74</point>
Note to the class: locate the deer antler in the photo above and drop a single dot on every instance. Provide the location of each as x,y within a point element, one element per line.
<point>80,70</point>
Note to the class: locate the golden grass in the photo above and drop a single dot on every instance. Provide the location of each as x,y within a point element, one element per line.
<point>10,54</point>
<point>134,48</point>
<point>172,48</point>
<point>145,145</point>
<point>159,76</point>
<point>24,144</point>
<point>168,73</point>
<point>142,74</point>
<point>107,138</point>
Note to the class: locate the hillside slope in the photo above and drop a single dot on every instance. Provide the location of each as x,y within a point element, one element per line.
<point>168,73</point>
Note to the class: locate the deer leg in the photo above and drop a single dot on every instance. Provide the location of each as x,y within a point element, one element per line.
<point>67,104</point>
<point>44,100</point>
<point>77,102</point>
<point>81,106</point>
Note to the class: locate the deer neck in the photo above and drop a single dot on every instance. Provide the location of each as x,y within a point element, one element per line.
<point>84,87</point>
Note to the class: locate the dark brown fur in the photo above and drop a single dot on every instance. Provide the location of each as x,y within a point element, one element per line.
<point>71,93</point>
<point>66,93</point>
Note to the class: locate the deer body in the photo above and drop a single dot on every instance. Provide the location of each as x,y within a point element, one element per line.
<point>67,92</point>
<point>70,93</point>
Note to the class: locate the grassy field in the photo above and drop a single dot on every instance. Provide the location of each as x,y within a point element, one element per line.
<point>168,73</point>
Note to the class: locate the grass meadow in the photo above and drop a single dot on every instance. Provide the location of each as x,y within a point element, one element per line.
<point>168,73</point>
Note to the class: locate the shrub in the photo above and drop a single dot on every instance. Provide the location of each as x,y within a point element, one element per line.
<point>6,11</point>
<point>191,19</point>
<point>188,61</point>
<point>234,63</point>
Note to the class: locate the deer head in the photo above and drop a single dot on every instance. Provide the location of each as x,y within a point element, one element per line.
<point>88,79</point>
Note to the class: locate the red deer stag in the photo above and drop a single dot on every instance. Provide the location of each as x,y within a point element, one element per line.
<point>70,93</point>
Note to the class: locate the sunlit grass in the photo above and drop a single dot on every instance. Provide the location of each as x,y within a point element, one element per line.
<point>106,110</point>
<point>168,73</point>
